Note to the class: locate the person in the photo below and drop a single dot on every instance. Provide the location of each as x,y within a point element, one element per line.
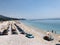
<point>52,31</point>
<point>50,36</point>
<point>48,33</point>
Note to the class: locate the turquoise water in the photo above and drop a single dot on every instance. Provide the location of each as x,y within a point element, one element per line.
<point>46,25</point>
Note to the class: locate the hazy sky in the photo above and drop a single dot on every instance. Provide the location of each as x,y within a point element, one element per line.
<point>30,8</point>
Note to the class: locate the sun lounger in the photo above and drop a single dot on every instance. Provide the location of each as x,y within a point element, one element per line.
<point>5,32</point>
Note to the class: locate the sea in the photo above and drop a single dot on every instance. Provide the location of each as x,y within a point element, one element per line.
<point>46,25</point>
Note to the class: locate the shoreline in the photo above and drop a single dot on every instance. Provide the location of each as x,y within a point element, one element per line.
<point>21,39</point>
<point>39,31</point>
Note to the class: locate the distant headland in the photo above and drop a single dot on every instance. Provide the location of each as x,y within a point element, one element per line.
<point>4,18</point>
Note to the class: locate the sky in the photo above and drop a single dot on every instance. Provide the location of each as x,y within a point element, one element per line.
<point>30,9</point>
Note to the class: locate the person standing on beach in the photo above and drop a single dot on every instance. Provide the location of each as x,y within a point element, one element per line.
<point>52,31</point>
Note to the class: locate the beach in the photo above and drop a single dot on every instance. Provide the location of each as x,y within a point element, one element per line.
<point>21,39</point>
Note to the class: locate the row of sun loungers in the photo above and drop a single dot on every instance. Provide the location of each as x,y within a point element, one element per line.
<point>14,31</point>
<point>20,30</point>
<point>5,32</point>
<point>23,32</point>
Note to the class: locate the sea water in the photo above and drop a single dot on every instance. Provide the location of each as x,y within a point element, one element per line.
<point>46,25</point>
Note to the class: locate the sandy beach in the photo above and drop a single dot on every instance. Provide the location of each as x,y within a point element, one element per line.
<point>21,39</point>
